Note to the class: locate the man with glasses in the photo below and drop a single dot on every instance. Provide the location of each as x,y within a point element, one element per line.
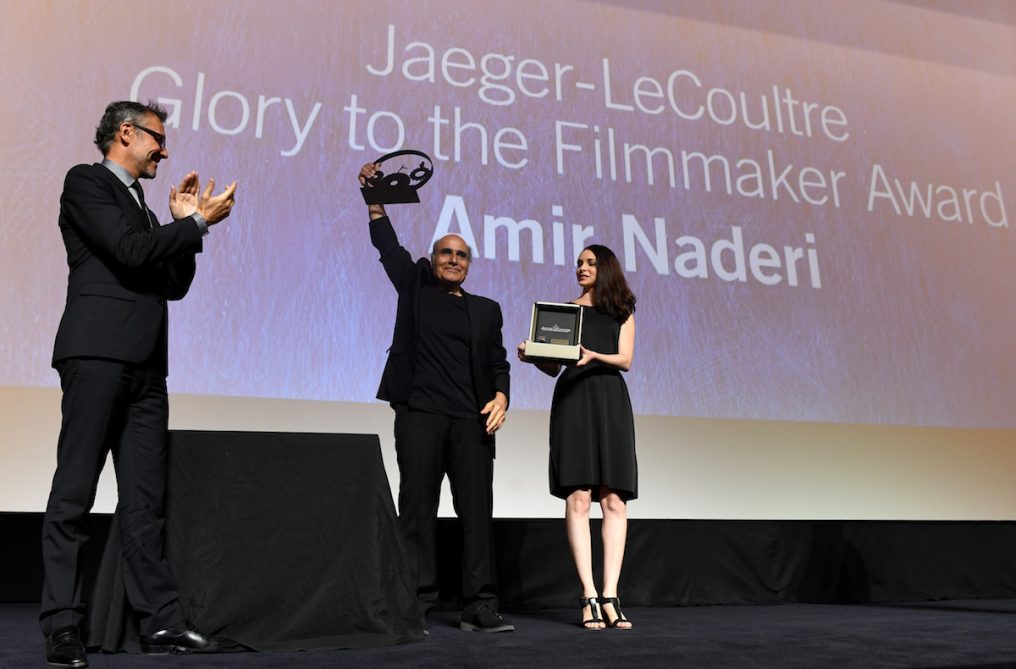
<point>111,354</point>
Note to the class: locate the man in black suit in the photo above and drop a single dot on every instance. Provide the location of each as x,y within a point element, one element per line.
<point>111,354</point>
<point>447,379</point>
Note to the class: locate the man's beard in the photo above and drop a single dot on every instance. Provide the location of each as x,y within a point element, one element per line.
<point>150,167</point>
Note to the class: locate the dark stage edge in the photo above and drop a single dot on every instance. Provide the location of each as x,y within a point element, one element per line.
<point>680,562</point>
<point>967,633</point>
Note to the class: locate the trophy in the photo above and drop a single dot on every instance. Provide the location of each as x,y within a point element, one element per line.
<point>555,333</point>
<point>400,186</point>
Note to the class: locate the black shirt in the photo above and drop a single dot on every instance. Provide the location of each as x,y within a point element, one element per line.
<point>442,377</point>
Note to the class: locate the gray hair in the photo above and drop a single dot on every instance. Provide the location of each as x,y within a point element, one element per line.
<point>120,112</point>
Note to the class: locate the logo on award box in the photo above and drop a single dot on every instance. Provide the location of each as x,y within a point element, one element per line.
<point>556,329</point>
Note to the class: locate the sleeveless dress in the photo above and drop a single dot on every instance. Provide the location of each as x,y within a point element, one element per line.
<point>592,430</point>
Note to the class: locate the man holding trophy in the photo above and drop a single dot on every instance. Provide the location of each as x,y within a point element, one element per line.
<point>447,378</point>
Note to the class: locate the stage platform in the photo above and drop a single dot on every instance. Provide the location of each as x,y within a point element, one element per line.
<point>711,593</point>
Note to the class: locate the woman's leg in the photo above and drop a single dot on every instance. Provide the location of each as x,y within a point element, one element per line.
<point>576,516</point>
<point>615,532</point>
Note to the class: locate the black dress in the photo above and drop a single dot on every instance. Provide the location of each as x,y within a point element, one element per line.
<point>592,431</point>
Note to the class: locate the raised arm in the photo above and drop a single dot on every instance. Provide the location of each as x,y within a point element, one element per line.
<point>397,261</point>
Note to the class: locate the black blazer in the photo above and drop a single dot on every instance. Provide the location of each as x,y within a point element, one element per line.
<point>122,271</point>
<point>489,360</point>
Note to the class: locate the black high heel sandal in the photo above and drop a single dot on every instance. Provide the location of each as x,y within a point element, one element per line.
<point>594,611</point>
<point>616,603</point>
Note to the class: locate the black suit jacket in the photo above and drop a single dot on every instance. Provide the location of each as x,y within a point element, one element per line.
<point>488,358</point>
<point>123,269</point>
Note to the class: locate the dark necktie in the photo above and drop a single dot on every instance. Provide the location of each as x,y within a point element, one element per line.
<point>141,198</point>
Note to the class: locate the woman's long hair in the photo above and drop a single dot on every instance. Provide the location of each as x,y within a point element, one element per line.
<point>612,294</point>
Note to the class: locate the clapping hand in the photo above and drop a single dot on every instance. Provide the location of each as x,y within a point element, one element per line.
<point>185,200</point>
<point>214,208</point>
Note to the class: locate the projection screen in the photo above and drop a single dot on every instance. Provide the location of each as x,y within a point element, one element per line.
<point>810,201</point>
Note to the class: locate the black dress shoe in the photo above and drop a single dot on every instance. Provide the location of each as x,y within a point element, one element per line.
<point>484,618</point>
<point>183,639</point>
<point>64,648</point>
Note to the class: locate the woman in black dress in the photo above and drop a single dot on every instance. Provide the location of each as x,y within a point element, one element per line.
<point>592,431</point>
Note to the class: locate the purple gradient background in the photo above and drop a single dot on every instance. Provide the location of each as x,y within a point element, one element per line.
<point>913,325</point>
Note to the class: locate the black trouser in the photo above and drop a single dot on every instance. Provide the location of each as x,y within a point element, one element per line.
<point>109,406</point>
<point>429,446</point>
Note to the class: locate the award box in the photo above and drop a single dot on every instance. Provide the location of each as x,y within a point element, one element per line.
<point>555,333</point>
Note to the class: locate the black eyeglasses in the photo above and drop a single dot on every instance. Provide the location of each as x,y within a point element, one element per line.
<point>157,136</point>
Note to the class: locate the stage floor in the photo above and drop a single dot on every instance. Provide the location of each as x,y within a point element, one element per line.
<point>961,633</point>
